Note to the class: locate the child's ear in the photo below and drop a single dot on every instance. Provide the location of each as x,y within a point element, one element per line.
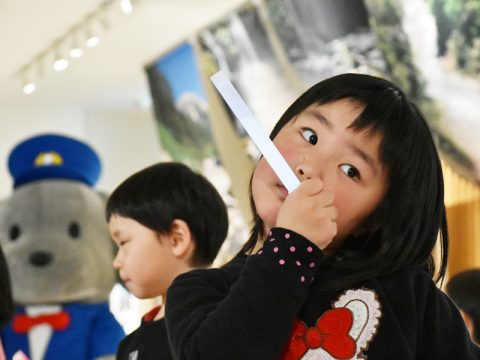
<point>181,239</point>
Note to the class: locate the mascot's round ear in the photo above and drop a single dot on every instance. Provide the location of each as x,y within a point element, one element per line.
<point>53,156</point>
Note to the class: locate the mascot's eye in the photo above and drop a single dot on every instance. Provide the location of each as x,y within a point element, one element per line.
<point>74,230</point>
<point>14,232</point>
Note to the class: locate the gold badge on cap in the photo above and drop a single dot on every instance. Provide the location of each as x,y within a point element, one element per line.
<point>48,158</point>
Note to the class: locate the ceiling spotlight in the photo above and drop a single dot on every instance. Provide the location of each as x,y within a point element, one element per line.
<point>92,41</point>
<point>28,85</point>
<point>66,45</point>
<point>29,88</point>
<point>75,52</point>
<point>60,64</point>
<point>126,6</point>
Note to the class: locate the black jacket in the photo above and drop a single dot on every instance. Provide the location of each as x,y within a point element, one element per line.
<point>148,342</point>
<point>271,305</point>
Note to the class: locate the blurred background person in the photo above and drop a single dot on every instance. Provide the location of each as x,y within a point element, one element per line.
<point>464,290</point>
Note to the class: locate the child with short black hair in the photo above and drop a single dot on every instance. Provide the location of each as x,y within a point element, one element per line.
<point>341,267</point>
<point>464,289</point>
<point>166,220</point>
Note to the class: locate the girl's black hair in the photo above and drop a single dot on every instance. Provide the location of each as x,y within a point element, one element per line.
<point>161,193</point>
<point>412,214</point>
<point>6,301</point>
<point>464,289</point>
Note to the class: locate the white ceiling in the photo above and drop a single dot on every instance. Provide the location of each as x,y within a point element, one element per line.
<point>109,76</point>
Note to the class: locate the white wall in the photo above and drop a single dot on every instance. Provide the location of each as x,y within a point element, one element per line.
<point>18,123</point>
<point>125,141</point>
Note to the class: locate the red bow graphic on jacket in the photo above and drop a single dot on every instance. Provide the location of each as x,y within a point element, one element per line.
<point>23,323</point>
<point>330,334</point>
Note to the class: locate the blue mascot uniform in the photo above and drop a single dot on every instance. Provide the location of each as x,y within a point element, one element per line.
<point>72,325</point>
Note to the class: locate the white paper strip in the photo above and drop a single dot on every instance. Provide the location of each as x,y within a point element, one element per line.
<point>254,130</point>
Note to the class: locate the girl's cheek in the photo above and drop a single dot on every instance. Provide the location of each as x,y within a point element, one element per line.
<point>338,196</point>
<point>341,197</point>
<point>268,212</point>
<point>288,152</point>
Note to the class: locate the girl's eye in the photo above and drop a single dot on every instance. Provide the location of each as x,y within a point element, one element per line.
<point>309,135</point>
<point>350,171</point>
<point>123,242</point>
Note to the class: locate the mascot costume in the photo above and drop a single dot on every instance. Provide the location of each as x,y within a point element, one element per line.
<point>59,253</point>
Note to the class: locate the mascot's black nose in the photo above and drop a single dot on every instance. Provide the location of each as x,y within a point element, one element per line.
<point>41,258</point>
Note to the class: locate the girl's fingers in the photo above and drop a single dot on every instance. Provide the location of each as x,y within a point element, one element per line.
<point>310,212</point>
<point>309,187</point>
<point>314,188</point>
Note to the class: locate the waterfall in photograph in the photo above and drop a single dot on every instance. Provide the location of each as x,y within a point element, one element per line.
<point>241,48</point>
<point>456,94</point>
<point>326,38</point>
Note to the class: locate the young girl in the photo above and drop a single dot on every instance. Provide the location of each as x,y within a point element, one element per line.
<point>341,268</point>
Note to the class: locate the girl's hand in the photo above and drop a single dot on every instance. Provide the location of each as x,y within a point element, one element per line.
<point>309,211</point>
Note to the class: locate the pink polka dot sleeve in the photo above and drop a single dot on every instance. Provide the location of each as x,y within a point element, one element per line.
<point>292,252</point>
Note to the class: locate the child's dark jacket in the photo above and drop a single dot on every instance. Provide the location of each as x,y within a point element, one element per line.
<point>148,342</point>
<point>270,306</point>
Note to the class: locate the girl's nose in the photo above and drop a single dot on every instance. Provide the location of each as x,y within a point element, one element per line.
<point>303,170</point>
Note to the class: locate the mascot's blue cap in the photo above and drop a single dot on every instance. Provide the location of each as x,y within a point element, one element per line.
<point>52,156</point>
